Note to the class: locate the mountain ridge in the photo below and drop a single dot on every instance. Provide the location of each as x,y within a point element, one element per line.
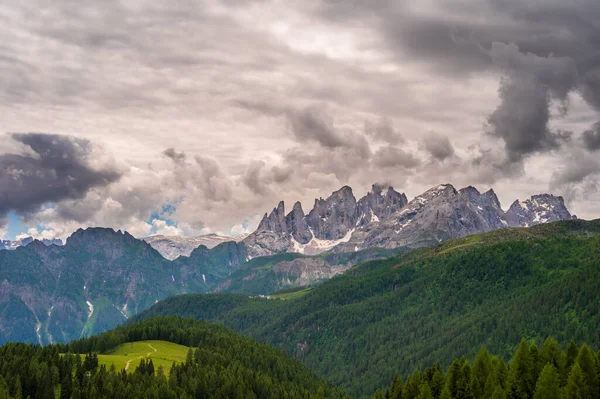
<point>387,219</point>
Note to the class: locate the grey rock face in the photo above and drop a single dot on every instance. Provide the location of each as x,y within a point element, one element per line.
<point>297,225</point>
<point>379,205</point>
<point>386,219</point>
<point>334,217</point>
<point>538,209</point>
<point>275,222</point>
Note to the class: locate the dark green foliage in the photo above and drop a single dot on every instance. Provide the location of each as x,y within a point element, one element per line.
<point>548,384</point>
<point>224,365</point>
<point>432,304</point>
<point>463,379</point>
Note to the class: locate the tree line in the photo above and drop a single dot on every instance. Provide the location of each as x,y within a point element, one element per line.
<point>222,365</point>
<point>546,373</point>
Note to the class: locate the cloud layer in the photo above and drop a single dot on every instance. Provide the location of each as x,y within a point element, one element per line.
<point>195,117</point>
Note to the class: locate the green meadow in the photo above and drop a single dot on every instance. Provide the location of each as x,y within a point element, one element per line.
<point>128,356</point>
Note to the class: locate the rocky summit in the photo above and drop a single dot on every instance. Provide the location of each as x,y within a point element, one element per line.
<point>385,218</point>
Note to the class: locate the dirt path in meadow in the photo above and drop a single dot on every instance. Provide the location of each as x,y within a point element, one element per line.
<point>149,353</point>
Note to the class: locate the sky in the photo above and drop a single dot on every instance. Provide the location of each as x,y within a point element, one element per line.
<point>193,117</point>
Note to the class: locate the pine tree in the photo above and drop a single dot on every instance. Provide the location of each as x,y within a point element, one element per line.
<point>190,357</point>
<point>520,374</point>
<point>413,385</point>
<point>18,389</point>
<point>586,359</point>
<point>575,383</point>
<point>66,385</point>
<point>437,383</point>
<point>480,372</point>
<point>446,394</point>
<point>397,387</point>
<point>548,384</point>
<point>551,353</point>
<point>150,368</point>
<point>536,363</point>
<point>499,393</point>
<point>425,392</point>
<point>572,352</point>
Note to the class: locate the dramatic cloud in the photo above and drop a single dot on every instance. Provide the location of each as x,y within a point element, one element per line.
<point>591,138</point>
<point>389,157</point>
<point>56,168</point>
<point>216,110</point>
<point>522,117</point>
<point>316,125</point>
<point>439,146</point>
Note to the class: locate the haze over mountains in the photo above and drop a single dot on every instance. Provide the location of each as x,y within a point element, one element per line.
<point>14,244</point>
<point>171,247</point>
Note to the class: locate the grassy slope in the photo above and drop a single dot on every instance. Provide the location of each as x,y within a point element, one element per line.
<point>430,304</point>
<point>162,353</point>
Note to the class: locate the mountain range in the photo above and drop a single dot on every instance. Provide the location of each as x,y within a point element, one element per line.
<point>14,244</point>
<point>100,277</point>
<point>385,218</point>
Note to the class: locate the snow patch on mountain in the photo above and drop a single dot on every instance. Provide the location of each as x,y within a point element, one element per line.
<point>90,309</point>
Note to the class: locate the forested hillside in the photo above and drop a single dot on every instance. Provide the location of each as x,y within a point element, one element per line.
<point>539,373</point>
<point>390,317</point>
<point>221,365</point>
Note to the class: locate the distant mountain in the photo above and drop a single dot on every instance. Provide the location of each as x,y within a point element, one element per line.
<point>101,277</point>
<point>386,219</point>
<point>269,274</point>
<point>171,247</point>
<point>12,245</point>
<point>95,281</point>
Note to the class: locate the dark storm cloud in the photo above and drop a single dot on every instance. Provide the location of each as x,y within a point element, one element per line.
<point>316,125</point>
<point>545,50</point>
<point>438,146</point>
<point>591,138</point>
<point>391,156</point>
<point>174,155</point>
<point>56,168</point>
<point>383,130</point>
<point>522,117</point>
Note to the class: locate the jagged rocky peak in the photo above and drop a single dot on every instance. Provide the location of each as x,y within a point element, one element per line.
<point>297,224</point>
<point>487,199</point>
<point>380,204</point>
<point>541,208</point>
<point>275,221</point>
<point>491,195</point>
<point>334,217</point>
